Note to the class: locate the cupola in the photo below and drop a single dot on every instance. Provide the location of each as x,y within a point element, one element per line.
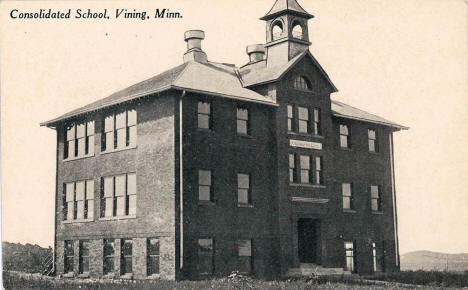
<point>287,31</point>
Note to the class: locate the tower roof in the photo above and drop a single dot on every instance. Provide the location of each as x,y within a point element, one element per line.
<point>286,6</point>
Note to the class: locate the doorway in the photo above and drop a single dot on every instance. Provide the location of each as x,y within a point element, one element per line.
<point>308,240</point>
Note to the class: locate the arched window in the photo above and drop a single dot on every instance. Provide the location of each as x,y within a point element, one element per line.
<point>277,30</point>
<point>297,31</point>
<point>302,83</point>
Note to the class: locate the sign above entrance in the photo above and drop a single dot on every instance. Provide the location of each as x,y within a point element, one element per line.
<point>305,144</point>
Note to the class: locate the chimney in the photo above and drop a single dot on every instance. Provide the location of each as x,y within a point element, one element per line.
<point>256,52</point>
<point>194,50</point>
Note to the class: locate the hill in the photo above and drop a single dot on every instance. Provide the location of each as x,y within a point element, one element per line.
<point>25,258</point>
<point>426,260</point>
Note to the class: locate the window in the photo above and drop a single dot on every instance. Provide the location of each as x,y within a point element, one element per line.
<point>109,256</point>
<point>205,256</point>
<point>310,170</point>
<point>348,200</point>
<point>291,126</point>
<point>297,31</point>
<point>68,256</point>
<point>318,170</point>
<point>204,115</point>
<point>292,168</point>
<point>79,200</point>
<point>244,256</point>
<point>305,169</point>
<point>120,131</point>
<point>378,256</point>
<point>317,126</point>
<point>344,136</point>
<point>152,256</point>
<point>243,189</point>
<point>303,120</point>
<point>126,250</point>
<point>349,249</point>
<point>372,136</point>
<point>302,83</point>
<point>243,125</point>
<point>79,140</point>
<point>118,195</point>
<point>277,30</point>
<point>84,257</point>
<point>376,199</point>
<point>204,185</point>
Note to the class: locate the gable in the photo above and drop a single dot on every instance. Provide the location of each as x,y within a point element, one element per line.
<point>306,67</point>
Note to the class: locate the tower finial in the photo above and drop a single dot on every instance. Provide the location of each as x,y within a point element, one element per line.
<point>286,6</point>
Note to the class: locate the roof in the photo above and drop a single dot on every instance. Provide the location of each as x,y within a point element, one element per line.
<point>342,110</point>
<point>210,78</point>
<point>258,73</point>
<point>282,6</point>
<point>223,80</point>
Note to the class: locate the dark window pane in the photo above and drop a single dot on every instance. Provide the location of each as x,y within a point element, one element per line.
<point>153,265</point>
<point>205,265</point>
<point>205,256</point>
<point>127,247</point>
<point>245,265</point>
<point>108,265</point>
<point>153,247</point>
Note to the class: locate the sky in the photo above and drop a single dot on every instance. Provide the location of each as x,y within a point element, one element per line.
<point>403,60</point>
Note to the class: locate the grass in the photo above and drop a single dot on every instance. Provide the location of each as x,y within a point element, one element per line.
<point>23,281</point>
<point>431,278</point>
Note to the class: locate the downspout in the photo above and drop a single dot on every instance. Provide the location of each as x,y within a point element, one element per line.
<point>181,184</point>
<point>395,224</point>
<point>57,154</point>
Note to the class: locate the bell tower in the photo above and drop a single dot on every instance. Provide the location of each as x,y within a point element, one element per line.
<point>287,33</point>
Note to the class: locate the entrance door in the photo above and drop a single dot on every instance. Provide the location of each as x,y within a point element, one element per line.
<point>307,230</point>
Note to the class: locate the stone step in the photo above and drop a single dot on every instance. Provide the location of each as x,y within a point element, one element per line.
<point>315,270</point>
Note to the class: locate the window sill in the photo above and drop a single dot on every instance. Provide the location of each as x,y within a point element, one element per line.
<point>302,90</point>
<point>84,275</point>
<point>206,202</point>
<point>69,275</point>
<point>203,130</point>
<point>78,157</point>
<point>305,135</point>
<point>247,136</point>
<point>118,150</point>
<point>77,221</point>
<point>377,212</point>
<point>153,276</point>
<point>109,276</point>
<point>349,211</point>
<point>307,185</point>
<point>112,218</point>
<point>245,205</point>
<point>346,149</point>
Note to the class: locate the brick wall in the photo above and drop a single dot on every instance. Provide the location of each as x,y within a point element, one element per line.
<point>153,162</point>
<point>226,153</point>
